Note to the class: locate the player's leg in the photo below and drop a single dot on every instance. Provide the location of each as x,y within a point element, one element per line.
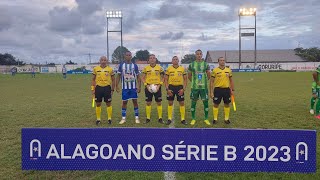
<point>149,96</point>
<point>227,101</point>
<point>216,101</point>
<point>123,111</point>
<point>204,97</point>
<point>158,99</point>
<point>170,104</point>
<point>98,96</point>
<point>108,99</point>
<point>317,113</point>
<point>194,96</point>
<point>136,110</point>
<point>182,108</point>
<point>313,98</point>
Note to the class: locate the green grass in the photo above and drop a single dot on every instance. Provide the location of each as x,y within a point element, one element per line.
<point>264,100</point>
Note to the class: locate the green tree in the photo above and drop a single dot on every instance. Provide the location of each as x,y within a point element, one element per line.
<point>118,54</point>
<point>188,58</point>
<point>309,54</point>
<point>142,55</point>
<point>8,59</point>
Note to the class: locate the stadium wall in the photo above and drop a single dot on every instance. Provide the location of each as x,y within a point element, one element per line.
<point>297,66</point>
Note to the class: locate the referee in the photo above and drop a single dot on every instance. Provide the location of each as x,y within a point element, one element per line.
<point>176,82</point>
<point>221,87</point>
<point>102,87</point>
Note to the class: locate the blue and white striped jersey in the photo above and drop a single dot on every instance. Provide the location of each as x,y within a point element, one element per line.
<point>129,74</point>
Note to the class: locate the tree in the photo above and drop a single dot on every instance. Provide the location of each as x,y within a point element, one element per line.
<point>311,54</point>
<point>118,54</point>
<point>8,59</point>
<point>70,62</point>
<point>142,55</point>
<point>188,58</point>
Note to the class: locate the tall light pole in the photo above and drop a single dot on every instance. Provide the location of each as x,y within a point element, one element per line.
<point>114,15</point>
<point>248,12</point>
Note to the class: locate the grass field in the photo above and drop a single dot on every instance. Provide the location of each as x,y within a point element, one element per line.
<point>264,100</point>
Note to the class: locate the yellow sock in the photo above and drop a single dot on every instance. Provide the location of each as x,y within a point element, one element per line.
<point>148,111</point>
<point>182,112</point>
<point>170,108</point>
<point>98,112</point>
<point>159,111</point>
<point>109,112</point>
<point>226,113</point>
<point>215,113</point>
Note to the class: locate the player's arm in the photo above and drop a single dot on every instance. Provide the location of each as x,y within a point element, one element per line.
<point>208,72</point>
<point>93,83</point>
<point>190,73</point>
<point>315,77</point>
<point>118,78</point>
<point>211,83</point>
<point>143,77</point>
<point>166,83</point>
<point>231,81</point>
<point>117,82</point>
<point>231,85</point>
<point>138,78</point>
<point>139,83</point>
<point>185,81</point>
<point>161,76</point>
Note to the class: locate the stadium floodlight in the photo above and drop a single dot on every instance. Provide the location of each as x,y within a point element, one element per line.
<point>248,12</point>
<point>114,14</point>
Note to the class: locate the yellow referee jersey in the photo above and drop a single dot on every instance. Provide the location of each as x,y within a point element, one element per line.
<point>103,75</point>
<point>175,75</point>
<point>153,74</point>
<point>221,77</point>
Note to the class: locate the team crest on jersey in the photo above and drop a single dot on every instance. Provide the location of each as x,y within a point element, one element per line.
<point>227,74</point>
<point>107,73</point>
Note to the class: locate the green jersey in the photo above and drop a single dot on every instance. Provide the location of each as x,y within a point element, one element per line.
<point>199,74</point>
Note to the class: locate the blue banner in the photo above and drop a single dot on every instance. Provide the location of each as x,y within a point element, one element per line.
<point>166,149</point>
<point>79,72</point>
<point>246,70</point>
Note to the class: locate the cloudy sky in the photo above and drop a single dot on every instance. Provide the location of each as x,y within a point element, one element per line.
<point>42,31</point>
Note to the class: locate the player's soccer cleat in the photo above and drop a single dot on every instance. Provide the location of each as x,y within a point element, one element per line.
<point>122,121</point>
<point>207,122</point>
<point>160,121</point>
<point>109,121</point>
<point>318,117</point>
<point>227,121</point>
<point>311,111</point>
<point>98,122</point>
<point>147,121</point>
<point>184,122</point>
<point>193,122</point>
<point>168,122</point>
<point>214,121</point>
<point>137,121</point>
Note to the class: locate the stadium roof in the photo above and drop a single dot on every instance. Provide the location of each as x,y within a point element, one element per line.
<point>247,56</point>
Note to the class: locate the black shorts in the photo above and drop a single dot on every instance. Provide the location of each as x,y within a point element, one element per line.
<point>103,92</point>
<point>220,93</point>
<point>149,95</point>
<point>175,92</point>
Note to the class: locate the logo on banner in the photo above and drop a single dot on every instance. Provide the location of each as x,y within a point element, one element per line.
<point>35,149</point>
